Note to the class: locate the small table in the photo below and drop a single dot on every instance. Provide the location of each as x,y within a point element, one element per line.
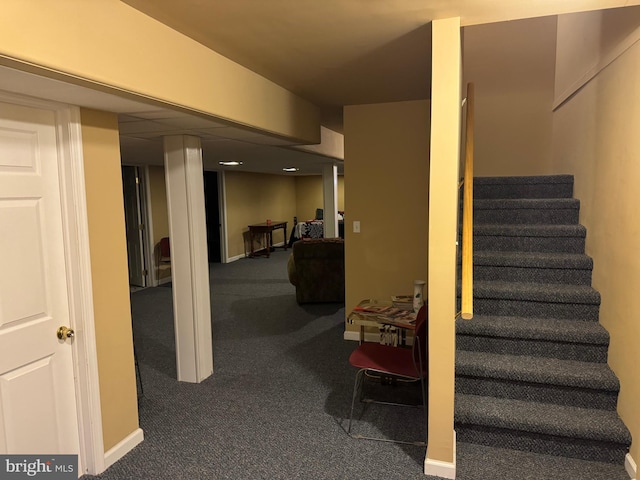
<point>266,230</point>
<point>393,331</point>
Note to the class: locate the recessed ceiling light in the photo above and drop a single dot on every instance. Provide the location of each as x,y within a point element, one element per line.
<point>230,164</point>
<point>290,169</point>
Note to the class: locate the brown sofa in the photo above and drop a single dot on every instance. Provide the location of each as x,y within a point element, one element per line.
<point>316,268</point>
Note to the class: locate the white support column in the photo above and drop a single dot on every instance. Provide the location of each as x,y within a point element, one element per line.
<point>189,260</point>
<point>330,202</point>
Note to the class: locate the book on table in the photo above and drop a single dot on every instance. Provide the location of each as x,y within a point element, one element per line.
<point>387,313</point>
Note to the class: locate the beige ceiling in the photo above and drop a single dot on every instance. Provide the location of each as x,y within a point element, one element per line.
<point>340,52</point>
<point>331,52</point>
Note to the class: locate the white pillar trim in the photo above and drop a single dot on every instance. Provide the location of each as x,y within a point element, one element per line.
<point>189,259</point>
<point>330,200</point>
<point>222,203</point>
<point>75,224</point>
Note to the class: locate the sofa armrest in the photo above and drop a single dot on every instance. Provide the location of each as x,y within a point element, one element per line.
<point>291,270</point>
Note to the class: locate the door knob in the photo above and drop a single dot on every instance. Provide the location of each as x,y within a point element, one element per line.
<point>65,332</point>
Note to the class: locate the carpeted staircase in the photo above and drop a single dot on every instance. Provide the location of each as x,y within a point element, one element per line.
<point>531,366</point>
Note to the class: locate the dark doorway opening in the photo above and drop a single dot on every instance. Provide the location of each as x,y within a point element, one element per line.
<point>134,207</point>
<point>212,207</point>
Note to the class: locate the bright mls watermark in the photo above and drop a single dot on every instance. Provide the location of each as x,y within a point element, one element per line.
<point>49,467</point>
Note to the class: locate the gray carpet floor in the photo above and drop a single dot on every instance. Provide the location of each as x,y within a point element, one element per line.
<point>276,405</point>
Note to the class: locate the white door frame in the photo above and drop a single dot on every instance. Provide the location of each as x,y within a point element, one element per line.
<point>147,212</point>
<point>78,270</point>
<point>145,215</point>
<point>141,220</point>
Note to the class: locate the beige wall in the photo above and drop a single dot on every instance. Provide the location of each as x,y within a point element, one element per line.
<point>596,139</point>
<point>512,67</point>
<point>251,198</point>
<point>110,277</point>
<point>603,36</point>
<point>443,208</point>
<point>309,195</point>
<point>160,219</point>
<point>386,189</point>
<point>147,59</point>
<point>254,198</point>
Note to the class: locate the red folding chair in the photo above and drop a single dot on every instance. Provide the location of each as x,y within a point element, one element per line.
<point>408,364</point>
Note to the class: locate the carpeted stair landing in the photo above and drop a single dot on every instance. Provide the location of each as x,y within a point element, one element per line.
<point>531,366</point>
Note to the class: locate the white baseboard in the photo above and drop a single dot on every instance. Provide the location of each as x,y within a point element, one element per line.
<point>242,255</point>
<point>123,447</point>
<point>233,259</point>
<point>368,337</point>
<point>438,468</point>
<point>630,466</point>
<point>355,336</point>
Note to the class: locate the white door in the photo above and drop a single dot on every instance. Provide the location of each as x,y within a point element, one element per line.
<point>38,412</point>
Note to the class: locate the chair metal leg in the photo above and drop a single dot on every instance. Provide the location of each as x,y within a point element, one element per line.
<point>357,392</point>
<point>357,388</point>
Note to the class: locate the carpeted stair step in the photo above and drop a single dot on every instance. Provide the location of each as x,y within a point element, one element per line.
<point>570,268</point>
<point>479,462</point>
<point>531,366</point>
<point>551,211</point>
<point>549,337</point>
<point>585,433</point>
<point>574,302</point>
<point>537,379</point>
<point>546,186</point>
<point>529,238</point>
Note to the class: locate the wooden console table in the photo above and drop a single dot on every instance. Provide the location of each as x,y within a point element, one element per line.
<point>266,230</point>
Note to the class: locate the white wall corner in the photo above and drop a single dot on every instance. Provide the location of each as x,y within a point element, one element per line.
<point>441,469</point>
<point>630,466</point>
<point>123,447</point>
